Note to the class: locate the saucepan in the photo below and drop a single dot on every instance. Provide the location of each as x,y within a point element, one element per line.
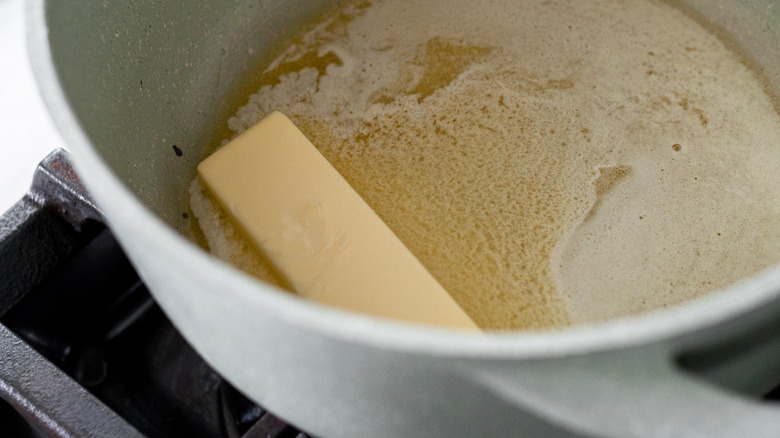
<point>137,88</point>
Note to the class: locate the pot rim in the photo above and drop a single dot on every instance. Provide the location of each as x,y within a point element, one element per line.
<point>114,197</point>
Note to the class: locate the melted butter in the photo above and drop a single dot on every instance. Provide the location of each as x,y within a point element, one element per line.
<point>524,151</point>
<point>444,61</point>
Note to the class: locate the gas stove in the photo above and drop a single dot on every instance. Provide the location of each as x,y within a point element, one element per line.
<point>84,349</point>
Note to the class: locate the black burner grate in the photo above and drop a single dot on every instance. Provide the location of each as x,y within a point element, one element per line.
<point>71,294</point>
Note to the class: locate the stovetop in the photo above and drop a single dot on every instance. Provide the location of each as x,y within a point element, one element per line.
<point>85,349</point>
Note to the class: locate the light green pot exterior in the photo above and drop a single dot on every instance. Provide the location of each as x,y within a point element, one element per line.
<point>126,81</point>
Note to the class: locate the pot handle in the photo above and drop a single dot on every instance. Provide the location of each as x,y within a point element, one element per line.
<point>636,394</point>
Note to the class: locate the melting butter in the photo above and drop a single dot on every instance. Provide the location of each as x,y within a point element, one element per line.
<point>322,240</point>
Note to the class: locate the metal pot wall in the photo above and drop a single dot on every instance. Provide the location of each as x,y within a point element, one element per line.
<point>126,81</point>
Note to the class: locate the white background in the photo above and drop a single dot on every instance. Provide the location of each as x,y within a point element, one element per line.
<point>27,133</point>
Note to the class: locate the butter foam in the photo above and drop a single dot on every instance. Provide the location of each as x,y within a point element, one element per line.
<point>549,162</point>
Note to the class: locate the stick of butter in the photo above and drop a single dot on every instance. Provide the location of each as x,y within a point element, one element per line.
<point>322,239</point>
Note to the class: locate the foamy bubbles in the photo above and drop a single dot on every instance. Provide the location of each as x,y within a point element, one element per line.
<point>548,162</point>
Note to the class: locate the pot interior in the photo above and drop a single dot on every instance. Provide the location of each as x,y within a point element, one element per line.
<point>153,84</point>
<point>143,77</point>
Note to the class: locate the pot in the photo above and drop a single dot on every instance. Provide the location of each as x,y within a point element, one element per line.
<point>126,81</point>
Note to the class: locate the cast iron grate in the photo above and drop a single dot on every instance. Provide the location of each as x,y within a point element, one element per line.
<point>68,291</point>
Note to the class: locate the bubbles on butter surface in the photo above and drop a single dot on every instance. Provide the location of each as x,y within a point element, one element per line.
<point>525,151</point>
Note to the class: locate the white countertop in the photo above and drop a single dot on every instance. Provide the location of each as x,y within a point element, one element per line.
<point>27,133</point>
